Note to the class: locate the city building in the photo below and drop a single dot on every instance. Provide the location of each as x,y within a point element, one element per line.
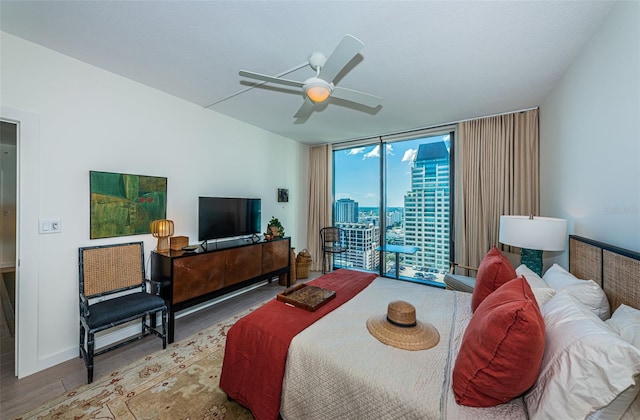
<point>426,208</point>
<point>361,240</point>
<point>395,217</point>
<point>346,211</point>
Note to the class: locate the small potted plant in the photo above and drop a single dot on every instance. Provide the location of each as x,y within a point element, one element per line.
<point>274,229</point>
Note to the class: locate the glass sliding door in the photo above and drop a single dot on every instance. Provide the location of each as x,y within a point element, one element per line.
<point>356,180</point>
<point>399,197</point>
<point>418,209</point>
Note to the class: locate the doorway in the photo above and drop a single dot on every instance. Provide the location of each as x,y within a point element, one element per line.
<point>8,206</point>
<point>27,145</point>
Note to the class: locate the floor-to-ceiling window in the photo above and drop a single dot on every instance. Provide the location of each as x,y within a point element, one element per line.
<point>356,174</point>
<point>396,190</point>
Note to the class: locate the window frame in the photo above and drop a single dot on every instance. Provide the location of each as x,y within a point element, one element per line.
<point>382,142</point>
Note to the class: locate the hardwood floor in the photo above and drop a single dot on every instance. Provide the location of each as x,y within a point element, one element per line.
<point>20,395</point>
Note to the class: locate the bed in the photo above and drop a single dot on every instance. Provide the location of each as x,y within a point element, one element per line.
<point>331,367</point>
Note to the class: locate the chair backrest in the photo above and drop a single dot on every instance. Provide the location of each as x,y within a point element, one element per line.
<point>330,235</point>
<point>108,269</point>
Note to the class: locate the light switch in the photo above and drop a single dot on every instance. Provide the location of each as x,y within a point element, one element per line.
<point>50,226</point>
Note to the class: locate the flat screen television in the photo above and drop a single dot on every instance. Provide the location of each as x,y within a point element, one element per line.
<point>225,217</point>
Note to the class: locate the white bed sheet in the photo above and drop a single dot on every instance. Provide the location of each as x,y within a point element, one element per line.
<point>337,370</point>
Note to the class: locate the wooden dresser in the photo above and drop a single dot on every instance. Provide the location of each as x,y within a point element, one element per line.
<point>190,278</point>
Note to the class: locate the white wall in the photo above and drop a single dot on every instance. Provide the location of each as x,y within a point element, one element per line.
<point>80,118</point>
<point>590,136</point>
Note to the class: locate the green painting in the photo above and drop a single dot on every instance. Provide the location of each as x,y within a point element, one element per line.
<point>124,204</point>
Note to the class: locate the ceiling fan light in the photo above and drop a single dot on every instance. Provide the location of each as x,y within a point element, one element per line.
<point>318,93</point>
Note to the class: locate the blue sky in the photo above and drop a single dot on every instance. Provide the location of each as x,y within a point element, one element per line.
<point>356,171</point>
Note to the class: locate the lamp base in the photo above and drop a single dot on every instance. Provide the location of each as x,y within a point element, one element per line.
<point>163,244</point>
<point>532,258</point>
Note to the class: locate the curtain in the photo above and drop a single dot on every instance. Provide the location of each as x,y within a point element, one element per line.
<point>320,200</point>
<point>496,173</point>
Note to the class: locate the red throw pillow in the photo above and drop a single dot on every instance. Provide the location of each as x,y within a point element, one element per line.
<point>494,271</point>
<point>502,348</point>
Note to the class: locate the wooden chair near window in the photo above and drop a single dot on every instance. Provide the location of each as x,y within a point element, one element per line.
<point>459,282</point>
<point>113,292</point>
<point>332,242</point>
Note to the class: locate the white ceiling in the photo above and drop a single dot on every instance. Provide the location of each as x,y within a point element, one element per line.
<point>432,62</point>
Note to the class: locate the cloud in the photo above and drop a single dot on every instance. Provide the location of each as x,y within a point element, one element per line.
<point>375,152</point>
<point>409,155</point>
<point>356,151</point>
<point>390,150</point>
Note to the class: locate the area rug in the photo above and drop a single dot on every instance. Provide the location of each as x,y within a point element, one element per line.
<point>180,382</point>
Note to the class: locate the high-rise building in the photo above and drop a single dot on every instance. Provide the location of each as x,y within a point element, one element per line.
<point>426,208</point>
<point>346,211</point>
<point>395,216</point>
<point>361,240</point>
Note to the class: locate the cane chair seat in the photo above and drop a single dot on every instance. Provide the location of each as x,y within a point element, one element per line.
<point>120,310</point>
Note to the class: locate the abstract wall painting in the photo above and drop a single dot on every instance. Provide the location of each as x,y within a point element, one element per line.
<point>125,204</point>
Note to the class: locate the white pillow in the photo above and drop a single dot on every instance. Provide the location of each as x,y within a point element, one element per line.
<point>540,290</point>
<point>585,366</point>
<point>533,279</point>
<point>543,294</point>
<point>626,322</point>
<point>586,291</point>
<point>619,406</point>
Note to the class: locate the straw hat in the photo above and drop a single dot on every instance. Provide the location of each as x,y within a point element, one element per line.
<point>400,328</point>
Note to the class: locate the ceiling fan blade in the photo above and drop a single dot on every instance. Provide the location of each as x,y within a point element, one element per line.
<point>305,110</point>
<point>270,79</point>
<point>351,95</point>
<point>344,52</point>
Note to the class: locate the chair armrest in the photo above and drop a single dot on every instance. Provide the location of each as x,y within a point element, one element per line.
<point>459,282</point>
<point>453,265</point>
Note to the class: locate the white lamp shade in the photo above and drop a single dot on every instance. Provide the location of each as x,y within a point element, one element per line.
<point>539,233</point>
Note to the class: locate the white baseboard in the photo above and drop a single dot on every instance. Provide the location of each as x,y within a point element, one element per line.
<point>105,339</point>
<point>113,335</point>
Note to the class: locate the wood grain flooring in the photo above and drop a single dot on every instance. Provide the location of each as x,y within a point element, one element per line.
<point>20,395</point>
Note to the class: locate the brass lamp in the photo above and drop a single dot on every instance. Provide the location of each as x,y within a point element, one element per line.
<point>162,229</point>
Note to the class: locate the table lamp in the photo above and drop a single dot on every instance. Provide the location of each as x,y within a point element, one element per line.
<point>533,235</point>
<point>162,229</point>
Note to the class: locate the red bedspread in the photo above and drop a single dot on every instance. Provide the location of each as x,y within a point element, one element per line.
<point>257,345</point>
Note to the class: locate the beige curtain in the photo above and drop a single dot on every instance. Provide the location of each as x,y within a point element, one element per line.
<point>496,173</point>
<point>320,200</point>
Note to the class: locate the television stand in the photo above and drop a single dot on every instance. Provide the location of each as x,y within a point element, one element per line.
<point>187,279</point>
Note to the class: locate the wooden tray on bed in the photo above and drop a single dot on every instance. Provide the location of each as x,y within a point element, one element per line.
<point>306,297</point>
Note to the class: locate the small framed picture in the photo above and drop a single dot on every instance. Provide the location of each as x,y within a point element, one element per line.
<point>283,195</point>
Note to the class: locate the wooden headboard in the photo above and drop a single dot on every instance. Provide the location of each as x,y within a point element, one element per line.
<point>617,270</point>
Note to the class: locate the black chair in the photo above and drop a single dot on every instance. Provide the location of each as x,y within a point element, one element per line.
<point>109,277</point>
<point>333,243</point>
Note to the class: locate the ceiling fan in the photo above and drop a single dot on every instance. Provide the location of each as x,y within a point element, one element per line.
<point>319,88</point>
